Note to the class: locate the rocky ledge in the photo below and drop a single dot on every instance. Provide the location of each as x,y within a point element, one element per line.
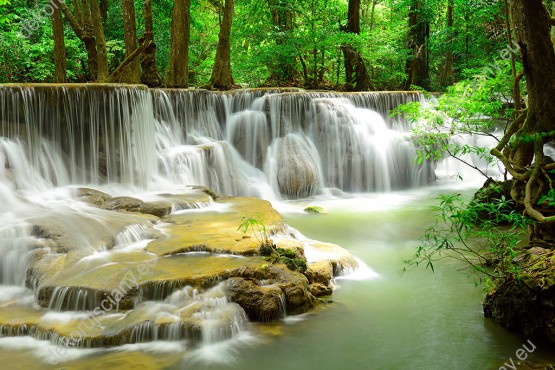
<point>526,304</point>
<point>133,270</point>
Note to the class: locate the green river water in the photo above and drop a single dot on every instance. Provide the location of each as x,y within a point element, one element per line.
<point>412,320</point>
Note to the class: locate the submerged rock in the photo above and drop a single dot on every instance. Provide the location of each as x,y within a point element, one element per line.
<point>314,209</point>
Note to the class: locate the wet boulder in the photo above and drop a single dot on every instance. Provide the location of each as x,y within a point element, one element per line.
<point>297,171</point>
<point>128,204</point>
<point>158,209</point>
<point>320,275</point>
<point>261,303</point>
<point>526,304</point>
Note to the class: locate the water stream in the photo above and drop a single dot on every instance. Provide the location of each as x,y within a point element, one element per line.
<point>340,151</point>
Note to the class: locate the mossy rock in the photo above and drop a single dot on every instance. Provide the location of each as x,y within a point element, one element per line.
<point>314,210</point>
<point>526,304</point>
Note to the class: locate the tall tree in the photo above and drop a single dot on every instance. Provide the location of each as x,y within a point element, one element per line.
<point>104,9</point>
<point>356,75</point>
<point>60,61</point>
<point>417,66</point>
<point>86,21</point>
<point>103,73</point>
<point>180,35</point>
<point>446,70</point>
<point>222,77</point>
<point>132,74</point>
<point>149,73</point>
<point>81,22</point>
<point>521,149</point>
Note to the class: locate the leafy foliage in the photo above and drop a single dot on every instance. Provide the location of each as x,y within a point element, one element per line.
<point>473,108</point>
<point>257,227</point>
<point>5,17</point>
<point>484,235</point>
<point>267,248</point>
<point>311,44</point>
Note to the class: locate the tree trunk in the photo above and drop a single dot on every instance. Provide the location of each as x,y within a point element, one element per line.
<point>180,32</point>
<point>222,77</point>
<point>523,303</point>
<point>104,9</point>
<point>356,75</point>
<point>132,74</point>
<point>524,157</point>
<point>80,21</point>
<point>149,74</point>
<point>60,61</point>
<point>447,69</point>
<point>533,24</point>
<point>538,59</point>
<point>553,26</point>
<point>102,54</point>
<point>417,66</point>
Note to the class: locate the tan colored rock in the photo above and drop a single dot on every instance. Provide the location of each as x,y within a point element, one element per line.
<point>128,204</point>
<point>320,272</point>
<point>216,231</point>
<point>158,209</point>
<point>261,303</point>
<point>320,290</point>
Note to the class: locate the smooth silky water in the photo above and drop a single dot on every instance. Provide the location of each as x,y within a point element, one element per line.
<point>323,147</point>
<point>379,319</point>
<point>396,320</point>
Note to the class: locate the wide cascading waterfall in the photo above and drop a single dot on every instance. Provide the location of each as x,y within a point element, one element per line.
<point>299,144</point>
<point>250,142</point>
<point>94,134</point>
<point>265,143</point>
<point>104,269</point>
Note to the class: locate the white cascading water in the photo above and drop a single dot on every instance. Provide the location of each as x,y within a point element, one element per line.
<point>125,140</point>
<point>269,144</point>
<point>303,144</point>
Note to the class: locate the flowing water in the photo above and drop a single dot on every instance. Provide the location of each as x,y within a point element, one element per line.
<point>340,151</point>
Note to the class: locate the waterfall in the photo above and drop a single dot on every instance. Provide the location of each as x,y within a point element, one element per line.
<point>265,143</point>
<point>287,144</point>
<point>83,134</point>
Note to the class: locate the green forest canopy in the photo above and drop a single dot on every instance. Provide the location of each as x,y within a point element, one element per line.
<point>425,43</point>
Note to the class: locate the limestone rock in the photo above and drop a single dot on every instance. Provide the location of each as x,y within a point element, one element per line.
<point>129,204</point>
<point>297,172</point>
<point>261,303</point>
<point>293,284</point>
<point>216,231</point>
<point>320,275</point>
<point>158,209</point>
<point>320,290</point>
<point>314,209</point>
<point>88,192</point>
